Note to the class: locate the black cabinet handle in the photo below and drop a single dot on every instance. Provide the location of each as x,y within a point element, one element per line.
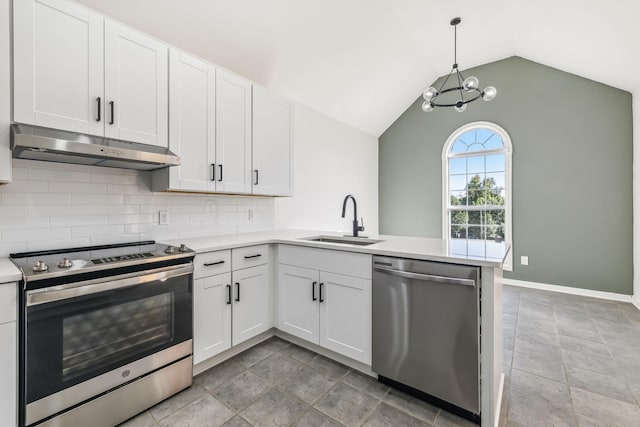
<point>220,177</point>
<point>213,171</point>
<point>252,256</point>
<point>209,264</point>
<point>321,287</point>
<point>313,291</point>
<point>99,101</point>
<point>257,177</point>
<point>112,113</point>
<point>238,291</point>
<point>229,294</point>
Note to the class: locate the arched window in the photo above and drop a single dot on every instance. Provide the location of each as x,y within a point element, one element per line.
<point>476,164</point>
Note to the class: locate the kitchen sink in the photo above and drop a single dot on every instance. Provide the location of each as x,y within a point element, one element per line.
<point>346,240</point>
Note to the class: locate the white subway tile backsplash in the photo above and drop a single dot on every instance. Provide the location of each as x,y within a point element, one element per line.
<point>97,199</point>
<point>131,219</point>
<point>58,210</point>
<point>97,230</point>
<point>57,175</point>
<point>33,199</point>
<point>115,209</point>
<point>77,187</point>
<point>77,220</point>
<point>51,205</point>
<point>28,235</point>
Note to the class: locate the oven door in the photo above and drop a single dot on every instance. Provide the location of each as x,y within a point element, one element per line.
<point>78,334</point>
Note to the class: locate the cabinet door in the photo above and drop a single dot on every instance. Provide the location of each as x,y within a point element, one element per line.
<point>233,133</point>
<point>8,375</point>
<point>5,90</point>
<point>251,303</point>
<point>211,316</point>
<point>191,122</point>
<point>272,138</point>
<point>298,302</point>
<point>136,82</point>
<point>345,316</point>
<point>58,65</point>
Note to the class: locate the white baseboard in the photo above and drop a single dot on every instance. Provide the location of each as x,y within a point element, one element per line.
<point>573,291</point>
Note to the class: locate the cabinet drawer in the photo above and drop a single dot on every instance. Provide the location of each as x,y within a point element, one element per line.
<point>210,263</point>
<point>8,302</point>
<point>339,262</point>
<point>250,256</point>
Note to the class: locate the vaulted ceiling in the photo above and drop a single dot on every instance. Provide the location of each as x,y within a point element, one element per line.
<point>363,62</point>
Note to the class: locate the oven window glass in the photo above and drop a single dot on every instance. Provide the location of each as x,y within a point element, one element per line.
<point>73,340</point>
<point>103,336</point>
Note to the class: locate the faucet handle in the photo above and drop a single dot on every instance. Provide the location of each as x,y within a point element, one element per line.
<point>361,226</point>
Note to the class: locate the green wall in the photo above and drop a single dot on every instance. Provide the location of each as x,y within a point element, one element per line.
<point>572,173</point>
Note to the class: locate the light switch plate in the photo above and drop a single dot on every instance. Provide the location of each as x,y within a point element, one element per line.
<point>524,260</point>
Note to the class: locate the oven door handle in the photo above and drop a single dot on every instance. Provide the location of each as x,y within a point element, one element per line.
<point>58,293</point>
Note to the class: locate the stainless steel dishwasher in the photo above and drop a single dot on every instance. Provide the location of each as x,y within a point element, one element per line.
<point>426,331</point>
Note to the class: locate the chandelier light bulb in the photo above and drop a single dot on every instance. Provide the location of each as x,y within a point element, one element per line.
<point>426,106</point>
<point>460,106</point>
<point>489,93</point>
<point>429,93</point>
<point>470,83</point>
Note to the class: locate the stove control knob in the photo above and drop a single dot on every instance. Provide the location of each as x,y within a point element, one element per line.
<point>65,263</point>
<point>183,248</point>
<point>40,266</point>
<point>170,250</point>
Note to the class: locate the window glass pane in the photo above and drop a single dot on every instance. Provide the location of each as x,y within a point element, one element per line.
<point>495,217</point>
<point>458,231</point>
<point>495,162</point>
<point>475,232</point>
<point>458,246</point>
<point>459,147</point>
<point>458,166</point>
<point>457,182</point>
<point>475,164</point>
<point>498,180</point>
<point>475,217</point>
<point>494,142</point>
<point>458,198</point>
<point>458,218</point>
<point>476,198</point>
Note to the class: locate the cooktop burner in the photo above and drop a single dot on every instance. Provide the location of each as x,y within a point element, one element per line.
<point>47,264</point>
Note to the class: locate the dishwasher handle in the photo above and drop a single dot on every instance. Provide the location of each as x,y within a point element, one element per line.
<point>426,277</point>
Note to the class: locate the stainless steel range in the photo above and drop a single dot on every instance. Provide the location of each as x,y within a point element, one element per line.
<point>105,331</point>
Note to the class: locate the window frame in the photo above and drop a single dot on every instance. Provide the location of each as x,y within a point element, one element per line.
<point>508,151</point>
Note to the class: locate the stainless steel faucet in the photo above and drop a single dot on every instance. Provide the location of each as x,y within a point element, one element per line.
<point>356,226</point>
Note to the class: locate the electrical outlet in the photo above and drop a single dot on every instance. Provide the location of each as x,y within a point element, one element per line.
<point>524,260</point>
<point>251,215</point>
<point>163,217</point>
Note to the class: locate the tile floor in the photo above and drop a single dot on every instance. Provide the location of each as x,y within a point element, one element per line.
<point>569,361</point>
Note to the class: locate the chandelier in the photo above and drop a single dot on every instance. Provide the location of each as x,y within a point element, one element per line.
<point>468,86</point>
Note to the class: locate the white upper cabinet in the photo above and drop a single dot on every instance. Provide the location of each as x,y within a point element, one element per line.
<point>76,71</point>
<point>233,133</point>
<point>191,123</point>
<point>5,91</point>
<point>58,66</point>
<point>136,86</point>
<point>272,141</point>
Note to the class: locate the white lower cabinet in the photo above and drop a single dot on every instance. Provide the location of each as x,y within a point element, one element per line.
<point>8,355</point>
<point>326,308</point>
<point>251,303</point>
<point>212,316</point>
<point>230,307</point>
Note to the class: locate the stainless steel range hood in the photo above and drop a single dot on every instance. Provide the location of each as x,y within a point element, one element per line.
<point>39,143</point>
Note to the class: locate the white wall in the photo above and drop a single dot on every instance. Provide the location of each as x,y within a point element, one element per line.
<point>332,160</point>
<point>5,92</point>
<point>54,205</point>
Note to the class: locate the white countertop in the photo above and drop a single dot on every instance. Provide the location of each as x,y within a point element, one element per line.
<point>396,246</point>
<point>8,271</point>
